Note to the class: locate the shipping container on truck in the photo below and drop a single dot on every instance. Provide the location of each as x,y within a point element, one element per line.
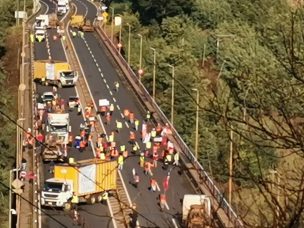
<point>89,179</point>
<point>58,73</point>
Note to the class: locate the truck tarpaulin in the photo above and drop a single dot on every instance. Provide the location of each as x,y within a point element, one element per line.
<point>87,177</point>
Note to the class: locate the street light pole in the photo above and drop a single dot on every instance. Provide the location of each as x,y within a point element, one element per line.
<point>112,23</point>
<point>154,71</point>
<point>172,94</point>
<point>140,51</point>
<point>129,44</point>
<point>10,198</point>
<point>230,166</point>
<point>119,46</point>
<point>196,124</point>
<point>218,37</point>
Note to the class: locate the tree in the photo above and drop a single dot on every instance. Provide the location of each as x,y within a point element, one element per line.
<point>155,11</point>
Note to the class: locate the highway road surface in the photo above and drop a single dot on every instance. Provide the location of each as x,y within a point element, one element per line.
<point>101,73</point>
<point>97,215</point>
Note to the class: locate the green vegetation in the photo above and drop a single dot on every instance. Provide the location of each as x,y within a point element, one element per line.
<point>246,59</point>
<point>10,41</point>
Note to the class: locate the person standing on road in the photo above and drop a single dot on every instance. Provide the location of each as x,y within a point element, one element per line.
<point>118,126</point>
<point>111,109</point>
<point>104,198</point>
<point>120,162</point>
<point>162,201</point>
<point>153,184</point>
<point>116,84</point>
<point>136,124</point>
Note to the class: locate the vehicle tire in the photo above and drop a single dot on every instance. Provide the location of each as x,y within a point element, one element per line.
<point>99,198</point>
<point>67,206</point>
<point>92,199</point>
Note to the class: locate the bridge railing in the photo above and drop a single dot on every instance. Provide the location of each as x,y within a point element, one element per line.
<point>146,97</point>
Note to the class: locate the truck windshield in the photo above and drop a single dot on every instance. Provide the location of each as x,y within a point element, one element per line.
<point>58,128</point>
<point>52,187</point>
<point>68,74</point>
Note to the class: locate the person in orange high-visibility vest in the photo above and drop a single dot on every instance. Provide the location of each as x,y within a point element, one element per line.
<point>155,158</point>
<point>158,129</point>
<point>153,185</point>
<point>163,201</point>
<point>70,139</point>
<point>82,145</point>
<point>82,133</point>
<point>147,168</point>
<point>114,153</point>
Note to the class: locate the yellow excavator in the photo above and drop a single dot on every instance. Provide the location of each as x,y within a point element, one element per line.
<point>196,211</point>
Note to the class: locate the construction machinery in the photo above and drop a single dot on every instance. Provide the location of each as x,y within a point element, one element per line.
<point>53,150</point>
<point>88,179</point>
<point>81,23</point>
<point>196,211</point>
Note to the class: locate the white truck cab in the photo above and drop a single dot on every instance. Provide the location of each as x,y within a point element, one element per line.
<point>62,7</point>
<point>56,192</point>
<point>59,124</point>
<point>41,22</point>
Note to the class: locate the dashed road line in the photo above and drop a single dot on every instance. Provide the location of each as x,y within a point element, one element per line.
<point>114,99</point>
<point>127,125</point>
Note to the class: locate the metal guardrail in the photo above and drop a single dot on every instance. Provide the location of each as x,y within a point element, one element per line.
<point>185,149</point>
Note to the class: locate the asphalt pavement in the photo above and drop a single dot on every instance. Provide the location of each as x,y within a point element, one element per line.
<point>101,74</point>
<point>96,215</point>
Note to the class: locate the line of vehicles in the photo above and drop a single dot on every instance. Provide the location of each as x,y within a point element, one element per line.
<point>46,21</point>
<point>88,179</point>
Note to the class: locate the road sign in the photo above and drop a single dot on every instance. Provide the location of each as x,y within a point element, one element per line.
<point>118,21</point>
<point>20,14</point>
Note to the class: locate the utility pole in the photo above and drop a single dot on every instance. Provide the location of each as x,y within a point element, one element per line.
<point>154,71</point>
<point>230,166</point>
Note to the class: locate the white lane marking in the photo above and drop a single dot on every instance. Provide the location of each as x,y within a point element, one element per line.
<point>99,69</point>
<point>118,107</point>
<point>127,124</point>
<point>167,206</point>
<point>87,84</point>
<point>47,7</point>
<point>111,93</point>
<point>114,99</point>
<point>122,115</point>
<point>174,223</point>
<point>105,81</point>
<point>107,86</point>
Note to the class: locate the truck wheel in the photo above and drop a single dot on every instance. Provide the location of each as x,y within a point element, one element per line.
<point>99,198</point>
<point>92,199</point>
<point>67,206</point>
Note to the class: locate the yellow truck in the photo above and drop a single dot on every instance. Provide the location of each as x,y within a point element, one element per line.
<point>89,179</point>
<point>57,73</point>
<point>81,23</point>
